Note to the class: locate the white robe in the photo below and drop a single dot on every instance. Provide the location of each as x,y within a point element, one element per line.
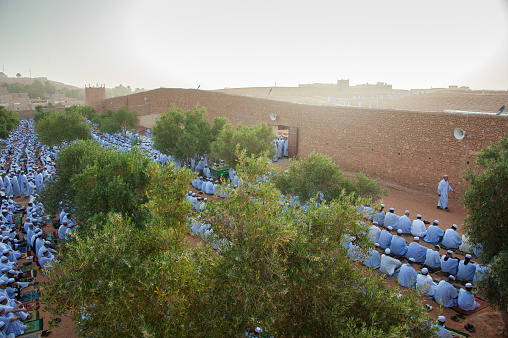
<point>443,188</point>
<point>425,285</point>
<point>451,239</point>
<point>446,294</point>
<point>466,301</point>
<point>388,264</point>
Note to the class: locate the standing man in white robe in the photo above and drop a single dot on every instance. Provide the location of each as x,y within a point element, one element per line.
<point>442,191</point>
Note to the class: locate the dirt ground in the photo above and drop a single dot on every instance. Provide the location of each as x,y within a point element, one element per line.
<point>487,322</point>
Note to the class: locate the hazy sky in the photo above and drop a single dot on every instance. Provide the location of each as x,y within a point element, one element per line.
<point>226,43</point>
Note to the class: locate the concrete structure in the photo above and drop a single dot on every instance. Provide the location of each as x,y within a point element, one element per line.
<point>412,149</point>
<point>94,96</point>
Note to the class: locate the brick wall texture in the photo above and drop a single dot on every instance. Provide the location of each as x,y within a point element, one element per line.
<point>409,148</point>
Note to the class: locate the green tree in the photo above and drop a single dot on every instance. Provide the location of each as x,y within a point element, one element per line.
<point>318,173</point>
<point>255,140</point>
<point>93,180</point>
<point>486,201</point>
<point>287,271</point>
<point>55,127</point>
<point>8,121</point>
<point>122,119</point>
<point>36,90</point>
<point>87,111</point>
<point>186,134</point>
<point>18,75</point>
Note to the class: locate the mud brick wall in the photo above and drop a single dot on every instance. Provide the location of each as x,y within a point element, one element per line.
<point>412,149</point>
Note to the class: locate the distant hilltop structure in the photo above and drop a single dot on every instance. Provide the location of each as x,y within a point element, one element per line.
<point>343,87</point>
<point>95,95</point>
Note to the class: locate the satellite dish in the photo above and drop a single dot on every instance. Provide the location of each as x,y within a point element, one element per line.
<point>500,110</point>
<point>273,117</point>
<point>459,133</point>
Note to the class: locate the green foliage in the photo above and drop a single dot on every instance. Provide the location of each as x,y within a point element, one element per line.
<point>287,271</point>
<point>122,281</point>
<point>486,201</point>
<point>119,90</point>
<point>185,134</point>
<point>93,180</point>
<point>114,121</point>
<point>318,173</point>
<point>56,127</point>
<point>74,93</point>
<point>255,140</point>
<point>43,90</point>
<point>87,111</point>
<point>8,121</point>
<point>18,74</point>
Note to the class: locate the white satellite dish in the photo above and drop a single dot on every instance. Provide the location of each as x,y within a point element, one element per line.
<point>273,117</point>
<point>459,133</point>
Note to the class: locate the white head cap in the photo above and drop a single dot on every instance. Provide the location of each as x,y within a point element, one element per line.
<point>425,271</point>
<point>416,238</point>
<point>442,319</point>
<point>469,285</point>
<point>469,256</point>
<point>454,226</point>
<point>450,252</point>
<point>382,205</point>
<point>418,216</point>
<point>388,251</point>
<point>436,221</point>
<point>407,212</point>
<point>399,231</point>
<point>390,228</point>
<point>375,222</point>
<point>412,259</point>
<point>392,209</point>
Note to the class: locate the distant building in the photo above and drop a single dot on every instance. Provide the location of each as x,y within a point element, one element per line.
<point>2,74</point>
<point>95,95</point>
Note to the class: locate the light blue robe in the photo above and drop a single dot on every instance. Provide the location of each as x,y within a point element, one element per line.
<point>443,188</point>
<point>433,234</point>
<point>380,218</point>
<point>416,251</point>
<point>404,224</point>
<point>451,239</point>
<point>432,259</point>
<point>407,276</point>
<point>466,301</point>
<point>391,219</point>
<point>446,294</point>
<point>374,261</point>
<point>398,246</point>
<point>449,265</point>
<point>466,272</point>
<point>385,239</point>
<point>374,233</point>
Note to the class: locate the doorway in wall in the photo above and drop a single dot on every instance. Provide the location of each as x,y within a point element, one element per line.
<point>292,134</point>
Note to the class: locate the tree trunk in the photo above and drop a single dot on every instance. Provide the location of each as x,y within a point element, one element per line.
<point>504,317</point>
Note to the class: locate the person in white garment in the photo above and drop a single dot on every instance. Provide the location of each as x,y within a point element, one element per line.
<point>446,294</point>
<point>388,264</point>
<point>424,283</point>
<point>466,300</point>
<point>442,191</point>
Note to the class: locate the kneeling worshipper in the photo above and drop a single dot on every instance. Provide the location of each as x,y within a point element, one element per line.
<point>433,259</point>
<point>443,332</point>
<point>446,294</point>
<point>391,219</point>
<point>388,264</point>
<point>45,260</point>
<point>374,232</point>
<point>424,283</point>
<point>385,238</point>
<point>416,250</point>
<point>451,238</point>
<point>466,245</point>
<point>404,223</point>
<point>380,217</point>
<point>449,264</point>
<point>407,276</point>
<point>16,306</point>
<point>466,269</point>
<point>418,228</point>
<point>434,233</point>
<point>12,322</point>
<point>398,246</point>
<point>466,299</point>
<point>374,261</point>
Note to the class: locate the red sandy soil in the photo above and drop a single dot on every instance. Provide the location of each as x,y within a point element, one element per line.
<point>487,322</point>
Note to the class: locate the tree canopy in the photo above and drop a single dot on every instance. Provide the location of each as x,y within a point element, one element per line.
<point>114,121</point>
<point>186,134</point>
<point>254,140</point>
<point>317,173</point>
<point>486,201</point>
<point>56,127</point>
<point>8,121</point>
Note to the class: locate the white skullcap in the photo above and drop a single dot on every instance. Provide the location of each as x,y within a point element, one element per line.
<point>469,285</point>
<point>390,228</point>
<point>445,175</point>
<point>388,251</point>
<point>425,271</point>
<point>4,258</point>
<point>468,256</point>
<point>382,205</point>
<point>11,280</point>
<point>376,244</point>
<point>406,212</point>
<point>416,238</point>
<point>375,222</point>
<point>436,221</point>
<point>4,269</point>
<point>2,281</point>
<point>47,242</point>
<point>418,216</point>
<point>450,252</point>
<point>259,330</point>
<point>392,209</point>
<point>442,319</point>
<point>193,194</point>
<point>206,199</point>
<point>2,298</point>
<point>412,259</point>
<point>399,231</point>
<point>454,226</point>
<point>452,277</point>
<point>190,192</point>
<point>2,324</point>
